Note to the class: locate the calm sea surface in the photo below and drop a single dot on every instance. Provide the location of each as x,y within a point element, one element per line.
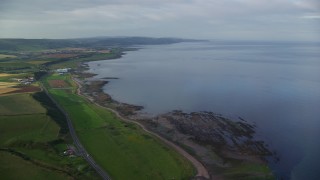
<point>274,85</point>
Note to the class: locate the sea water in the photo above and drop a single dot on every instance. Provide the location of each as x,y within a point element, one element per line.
<point>275,85</point>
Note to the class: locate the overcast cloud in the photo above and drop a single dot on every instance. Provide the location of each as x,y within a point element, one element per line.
<point>206,19</point>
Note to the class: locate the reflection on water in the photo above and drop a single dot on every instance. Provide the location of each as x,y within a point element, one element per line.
<point>275,85</point>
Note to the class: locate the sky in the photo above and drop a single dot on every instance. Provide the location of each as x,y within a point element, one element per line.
<point>198,19</point>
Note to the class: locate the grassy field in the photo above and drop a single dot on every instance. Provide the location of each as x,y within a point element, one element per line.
<point>17,67</point>
<point>27,170</point>
<point>20,104</point>
<point>65,78</point>
<point>73,62</point>
<point>6,87</point>
<point>124,150</point>
<point>31,145</point>
<point>10,85</point>
<point>4,74</point>
<point>38,62</point>
<point>7,77</point>
<point>4,56</point>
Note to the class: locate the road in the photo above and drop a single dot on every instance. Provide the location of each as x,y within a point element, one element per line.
<point>201,170</point>
<point>77,142</point>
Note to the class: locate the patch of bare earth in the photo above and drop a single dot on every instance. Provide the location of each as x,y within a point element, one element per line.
<point>58,83</point>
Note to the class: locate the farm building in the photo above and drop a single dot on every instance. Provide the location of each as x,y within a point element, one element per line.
<point>25,81</point>
<point>62,71</point>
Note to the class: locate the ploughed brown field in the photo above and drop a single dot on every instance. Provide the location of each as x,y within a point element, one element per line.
<point>57,83</point>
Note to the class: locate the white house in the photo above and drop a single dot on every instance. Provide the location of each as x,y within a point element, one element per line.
<point>64,70</point>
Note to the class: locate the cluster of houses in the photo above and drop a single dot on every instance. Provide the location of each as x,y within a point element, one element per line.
<point>24,81</point>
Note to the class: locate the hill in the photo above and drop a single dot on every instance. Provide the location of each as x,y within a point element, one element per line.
<point>96,42</point>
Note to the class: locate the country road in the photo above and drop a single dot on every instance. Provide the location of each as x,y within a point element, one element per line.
<point>201,170</point>
<point>77,142</point>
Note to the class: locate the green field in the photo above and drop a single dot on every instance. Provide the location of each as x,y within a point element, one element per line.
<point>17,168</point>
<point>20,104</point>
<point>31,145</point>
<point>124,150</point>
<point>8,77</point>
<point>4,56</point>
<point>17,67</point>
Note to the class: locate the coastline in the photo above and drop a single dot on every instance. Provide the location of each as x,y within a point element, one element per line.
<point>174,128</point>
<point>201,170</point>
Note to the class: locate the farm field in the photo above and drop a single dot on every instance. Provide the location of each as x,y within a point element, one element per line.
<point>59,55</point>
<point>27,89</point>
<point>15,164</point>
<point>5,74</point>
<point>9,86</point>
<point>6,77</point>
<point>124,150</point>
<point>3,56</point>
<point>20,104</point>
<point>58,83</point>
<point>6,87</point>
<point>17,67</point>
<point>38,62</point>
<point>31,143</point>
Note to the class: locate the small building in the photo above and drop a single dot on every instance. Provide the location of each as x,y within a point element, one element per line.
<point>64,70</point>
<point>24,81</point>
<point>69,152</point>
<point>18,79</point>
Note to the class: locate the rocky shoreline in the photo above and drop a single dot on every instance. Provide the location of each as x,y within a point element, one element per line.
<point>219,143</point>
<point>224,146</point>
